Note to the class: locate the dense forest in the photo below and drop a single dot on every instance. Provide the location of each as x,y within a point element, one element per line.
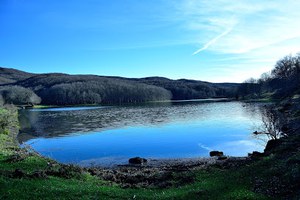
<point>183,89</point>
<point>23,88</point>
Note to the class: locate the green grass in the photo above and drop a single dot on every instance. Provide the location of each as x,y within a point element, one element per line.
<point>210,184</point>
<point>29,164</point>
<point>43,106</point>
<point>264,98</point>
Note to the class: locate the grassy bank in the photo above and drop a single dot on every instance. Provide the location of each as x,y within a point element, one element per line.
<point>76,184</point>
<point>26,175</point>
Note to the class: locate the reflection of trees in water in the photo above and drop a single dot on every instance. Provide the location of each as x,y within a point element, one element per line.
<point>273,124</point>
<point>253,109</point>
<point>51,124</point>
<point>254,112</point>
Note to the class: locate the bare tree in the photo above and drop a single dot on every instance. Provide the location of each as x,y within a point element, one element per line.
<point>284,67</point>
<point>272,123</point>
<point>265,77</point>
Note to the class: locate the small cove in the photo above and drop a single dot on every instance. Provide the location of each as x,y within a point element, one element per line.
<point>109,135</point>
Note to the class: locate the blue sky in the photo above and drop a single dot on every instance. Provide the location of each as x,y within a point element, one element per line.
<point>218,41</point>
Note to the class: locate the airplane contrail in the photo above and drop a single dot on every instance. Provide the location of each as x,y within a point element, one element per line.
<point>212,41</point>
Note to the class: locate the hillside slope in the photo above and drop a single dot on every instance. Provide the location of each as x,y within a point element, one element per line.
<point>9,75</point>
<point>65,89</point>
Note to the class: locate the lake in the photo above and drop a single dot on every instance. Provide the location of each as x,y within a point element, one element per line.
<point>108,135</point>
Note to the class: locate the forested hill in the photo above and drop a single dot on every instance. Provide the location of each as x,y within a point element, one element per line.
<point>8,75</point>
<point>190,89</point>
<point>19,87</point>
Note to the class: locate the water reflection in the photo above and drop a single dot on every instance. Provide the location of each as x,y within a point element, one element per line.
<point>178,129</point>
<point>64,109</point>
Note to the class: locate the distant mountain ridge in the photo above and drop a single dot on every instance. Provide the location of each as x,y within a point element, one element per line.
<point>65,89</point>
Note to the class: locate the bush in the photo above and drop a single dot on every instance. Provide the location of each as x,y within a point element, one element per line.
<point>19,95</point>
<point>4,121</point>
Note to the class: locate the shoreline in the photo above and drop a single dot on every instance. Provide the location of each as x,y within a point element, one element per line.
<point>160,173</point>
<point>157,162</point>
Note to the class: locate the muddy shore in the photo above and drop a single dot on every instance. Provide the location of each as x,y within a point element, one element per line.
<point>161,172</point>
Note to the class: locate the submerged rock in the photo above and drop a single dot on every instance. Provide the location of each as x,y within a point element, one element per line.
<point>216,153</point>
<point>137,160</point>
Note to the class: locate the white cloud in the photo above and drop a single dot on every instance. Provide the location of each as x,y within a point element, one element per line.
<point>264,31</point>
<point>205,147</point>
<point>212,41</point>
<point>257,24</point>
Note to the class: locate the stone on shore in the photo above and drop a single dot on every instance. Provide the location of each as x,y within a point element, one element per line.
<point>256,154</point>
<point>216,153</point>
<point>137,160</point>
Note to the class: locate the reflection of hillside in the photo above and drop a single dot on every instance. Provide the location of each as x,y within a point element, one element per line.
<point>53,124</point>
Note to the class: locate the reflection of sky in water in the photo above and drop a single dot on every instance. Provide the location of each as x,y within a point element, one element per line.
<point>169,131</point>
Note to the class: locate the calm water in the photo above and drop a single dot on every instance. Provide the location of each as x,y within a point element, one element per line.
<point>111,134</point>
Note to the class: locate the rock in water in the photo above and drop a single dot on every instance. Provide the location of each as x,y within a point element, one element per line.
<point>137,160</point>
<point>216,153</point>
